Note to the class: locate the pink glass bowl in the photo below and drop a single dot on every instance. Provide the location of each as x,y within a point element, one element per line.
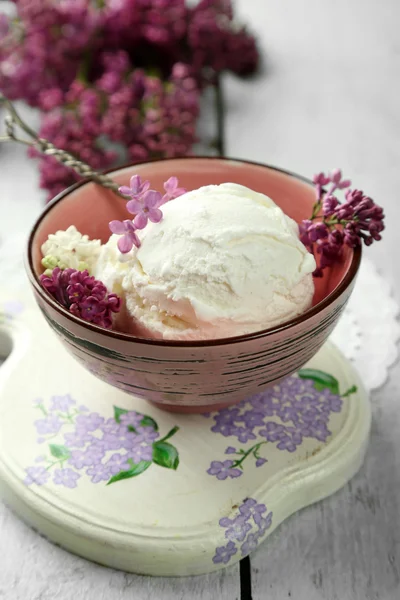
<point>190,376</point>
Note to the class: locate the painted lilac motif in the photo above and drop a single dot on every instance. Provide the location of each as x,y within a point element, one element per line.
<point>244,530</point>
<point>298,407</point>
<point>105,450</point>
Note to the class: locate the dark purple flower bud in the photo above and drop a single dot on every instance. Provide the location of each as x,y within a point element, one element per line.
<point>329,204</point>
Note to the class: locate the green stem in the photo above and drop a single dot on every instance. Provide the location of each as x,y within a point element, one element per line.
<point>253,449</point>
<point>42,408</point>
<point>350,391</point>
<point>169,434</point>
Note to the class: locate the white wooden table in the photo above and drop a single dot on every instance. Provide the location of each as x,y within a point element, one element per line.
<point>328,96</point>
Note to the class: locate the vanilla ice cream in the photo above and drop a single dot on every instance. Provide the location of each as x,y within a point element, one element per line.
<point>223,261</point>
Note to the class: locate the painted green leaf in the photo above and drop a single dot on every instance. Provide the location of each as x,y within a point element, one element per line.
<point>118,412</point>
<point>350,391</point>
<point>165,455</point>
<point>60,452</point>
<point>321,380</point>
<point>149,422</point>
<point>136,470</point>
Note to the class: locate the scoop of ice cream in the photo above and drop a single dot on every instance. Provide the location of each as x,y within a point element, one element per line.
<point>224,261</point>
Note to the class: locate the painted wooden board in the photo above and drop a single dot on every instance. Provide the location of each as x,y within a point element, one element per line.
<point>113,479</point>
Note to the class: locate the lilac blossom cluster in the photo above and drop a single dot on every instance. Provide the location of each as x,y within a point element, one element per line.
<point>129,72</point>
<point>145,204</point>
<point>83,295</point>
<point>282,415</point>
<point>334,224</point>
<point>244,531</point>
<point>90,444</point>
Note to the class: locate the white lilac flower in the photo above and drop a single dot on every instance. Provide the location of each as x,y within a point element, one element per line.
<point>70,249</point>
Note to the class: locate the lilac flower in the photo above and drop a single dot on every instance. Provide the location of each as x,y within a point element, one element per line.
<point>224,469</point>
<point>286,443</point>
<point>230,450</point>
<point>140,452</point>
<point>50,424</point>
<point>251,508</point>
<point>82,295</point>
<point>253,419</point>
<point>85,458</point>
<point>272,431</point>
<point>38,475</point>
<point>99,472</point>
<point>117,463</point>
<point>66,477</point>
<point>62,403</point>
<point>260,462</point>
<point>39,459</point>
<point>243,435</point>
<point>89,422</point>
<point>263,523</point>
<point>128,238</point>
<point>357,220</point>
<point>238,530</point>
<point>223,554</point>
<point>317,429</point>
<point>77,439</point>
<point>172,190</point>
<point>146,209</point>
<point>136,187</point>
<point>250,544</point>
<point>131,418</point>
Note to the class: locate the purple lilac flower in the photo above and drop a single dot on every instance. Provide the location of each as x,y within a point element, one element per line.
<point>77,439</point>
<point>263,523</point>
<point>260,462</point>
<point>89,422</point>
<point>273,432</point>
<point>50,424</point>
<point>250,544</point>
<point>251,508</point>
<point>131,418</point>
<point>117,463</point>
<point>62,403</point>
<point>66,477</point>
<point>127,230</point>
<point>136,188</point>
<point>146,209</point>
<point>172,190</point>
<point>286,443</point>
<point>230,450</point>
<point>237,530</point>
<point>242,434</point>
<point>82,295</point>
<point>224,469</point>
<point>99,472</point>
<point>223,554</point>
<point>37,475</point>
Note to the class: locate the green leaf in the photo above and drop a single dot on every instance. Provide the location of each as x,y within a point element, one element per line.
<point>165,455</point>
<point>321,380</point>
<point>149,422</point>
<point>350,391</point>
<point>136,470</point>
<point>118,412</point>
<point>60,452</point>
<point>169,434</point>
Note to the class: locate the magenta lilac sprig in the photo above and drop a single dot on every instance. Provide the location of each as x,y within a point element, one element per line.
<point>83,295</point>
<point>333,224</point>
<point>144,204</point>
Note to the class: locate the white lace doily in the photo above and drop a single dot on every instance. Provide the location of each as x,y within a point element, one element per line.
<point>368,331</point>
<point>366,336</point>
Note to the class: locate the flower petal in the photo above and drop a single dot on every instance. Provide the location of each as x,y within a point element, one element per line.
<point>134,206</point>
<point>151,199</point>
<point>125,244</point>
<point>140,221</point>
<point>117,227</point>
<point>170,185</point>
<point>155,215</point>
